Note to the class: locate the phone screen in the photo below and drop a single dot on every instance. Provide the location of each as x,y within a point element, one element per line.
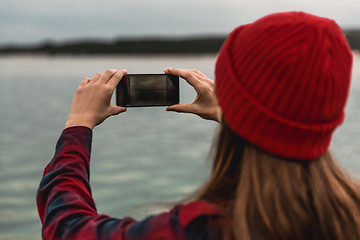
<point>142,90</point>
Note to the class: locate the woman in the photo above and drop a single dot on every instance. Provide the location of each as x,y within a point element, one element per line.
<point>281,88</point>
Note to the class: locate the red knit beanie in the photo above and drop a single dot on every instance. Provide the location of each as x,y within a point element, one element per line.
<point>282,83</point>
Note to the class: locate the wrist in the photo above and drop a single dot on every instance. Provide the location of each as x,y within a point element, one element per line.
<point>75,123</point>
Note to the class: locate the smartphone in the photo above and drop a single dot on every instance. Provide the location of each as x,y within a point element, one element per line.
<point>147,90</point>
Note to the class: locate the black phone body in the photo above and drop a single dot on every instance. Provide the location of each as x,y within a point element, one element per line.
<point>147,90</point>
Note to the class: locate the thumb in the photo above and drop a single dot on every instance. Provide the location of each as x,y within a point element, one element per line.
<point>184,108</point>
<point>115,110</point>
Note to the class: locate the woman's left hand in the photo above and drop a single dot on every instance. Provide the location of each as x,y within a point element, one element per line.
<point>91,104</point>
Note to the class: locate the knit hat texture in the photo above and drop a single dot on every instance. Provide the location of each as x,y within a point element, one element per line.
<point>282,83</point>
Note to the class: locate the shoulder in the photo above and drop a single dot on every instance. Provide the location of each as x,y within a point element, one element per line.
<point>193,210</point>
<point>186,221</point>
<point>202,220</point>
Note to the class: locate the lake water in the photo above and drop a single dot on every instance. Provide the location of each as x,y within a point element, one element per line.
<point>143,155</point>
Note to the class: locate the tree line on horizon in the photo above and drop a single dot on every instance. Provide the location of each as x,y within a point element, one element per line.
<point>195,45</point>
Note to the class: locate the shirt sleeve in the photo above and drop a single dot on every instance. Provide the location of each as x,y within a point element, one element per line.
<point>67,209</point>
<point>65,204</point>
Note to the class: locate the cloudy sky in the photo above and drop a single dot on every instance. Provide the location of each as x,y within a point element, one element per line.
<point>31,21</point>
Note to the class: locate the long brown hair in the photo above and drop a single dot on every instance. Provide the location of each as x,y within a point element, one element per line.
<point>267,197</point>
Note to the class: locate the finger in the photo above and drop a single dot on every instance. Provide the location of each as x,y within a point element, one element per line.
<point>185,74</point>
<point>104,78</point>
<point>115,110</point>
<point>95,78</point>
<point>182,108</point>
<point>200,73</point>
<point>116,78</point>
<point>85,81</point>
<point>202,77</point>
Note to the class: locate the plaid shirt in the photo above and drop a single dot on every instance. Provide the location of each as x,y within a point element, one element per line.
<point>67,209</point>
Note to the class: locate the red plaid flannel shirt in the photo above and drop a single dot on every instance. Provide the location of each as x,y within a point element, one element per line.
<point>67,209</point>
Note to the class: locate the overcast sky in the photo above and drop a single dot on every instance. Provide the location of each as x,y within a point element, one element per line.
<point>30,21</point>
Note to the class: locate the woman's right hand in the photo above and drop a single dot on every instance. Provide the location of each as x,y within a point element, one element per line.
<point>205,104</point>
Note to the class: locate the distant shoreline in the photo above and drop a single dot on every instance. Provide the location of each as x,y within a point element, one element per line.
<point>125,46</point>
<point>137,46</point>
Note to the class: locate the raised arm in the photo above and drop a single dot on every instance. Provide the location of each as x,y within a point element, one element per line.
<point>65,204</point>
